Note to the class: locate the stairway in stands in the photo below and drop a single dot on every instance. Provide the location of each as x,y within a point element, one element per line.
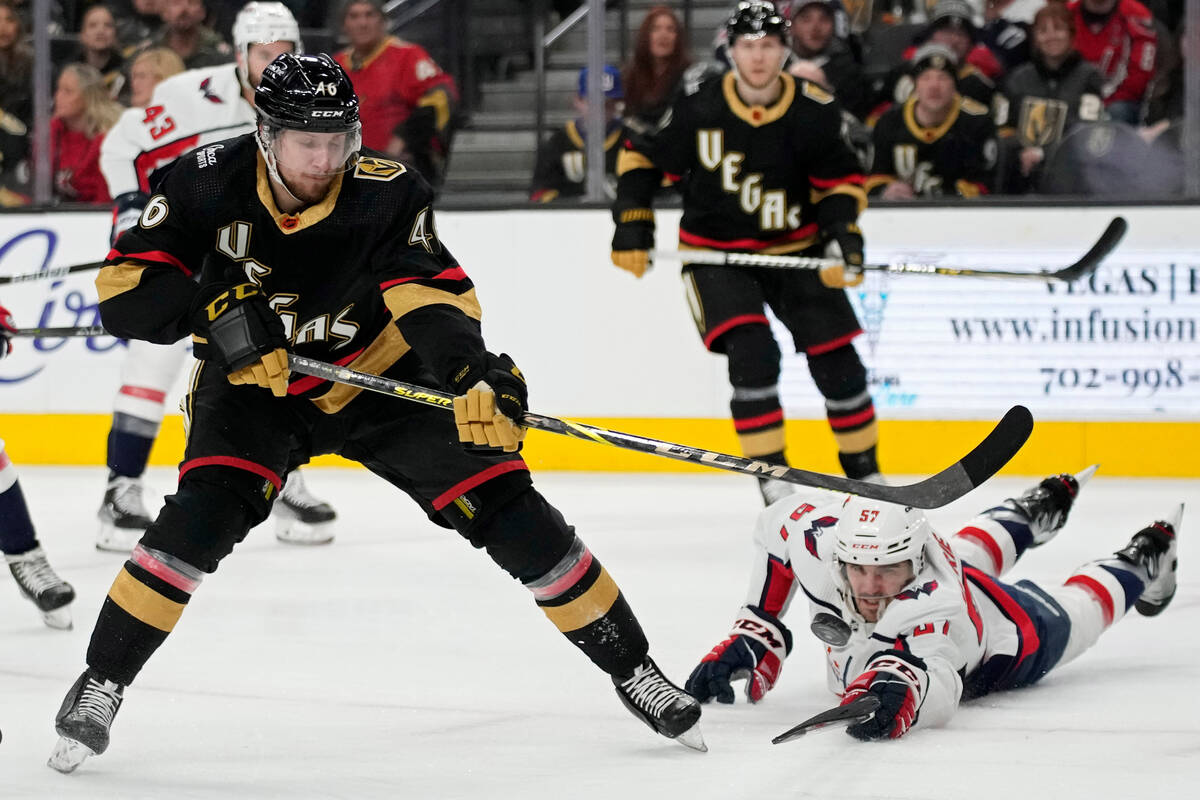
<point>493,155</point>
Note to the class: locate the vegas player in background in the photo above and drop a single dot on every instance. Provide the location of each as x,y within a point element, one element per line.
<point>23,553</point>
<point>923,621</point>
<point>188,110</point>
<point>764,168</point>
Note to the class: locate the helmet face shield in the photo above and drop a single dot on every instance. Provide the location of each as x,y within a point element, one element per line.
<point>313,154</point>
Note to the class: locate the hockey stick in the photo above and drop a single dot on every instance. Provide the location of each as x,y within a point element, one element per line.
<point>50,333</point>
<point>1085,266</point>
<point>945,487</point>
<point>852,713</point>
<point>57,272</point>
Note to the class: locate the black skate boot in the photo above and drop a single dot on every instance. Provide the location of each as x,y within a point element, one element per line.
<point>662,705</point>
<point>1046,505</point>
<point>123,517</point>
<point>1155,549</point>
<point>84,720</point>
<point>301,518</point>
<point>38,582</point>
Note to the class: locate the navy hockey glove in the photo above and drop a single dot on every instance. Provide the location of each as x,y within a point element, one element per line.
<point>755,650</point>
<point>242,335</point>
<point>633,240</point>
<point>490,398</point>
<point>845,241</point>
<point>6,328</point>
<point>127,210</point>
<point>898,679</point>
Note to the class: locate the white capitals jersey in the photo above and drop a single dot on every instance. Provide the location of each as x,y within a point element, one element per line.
<point>934,618</point>
<point>188,110</point>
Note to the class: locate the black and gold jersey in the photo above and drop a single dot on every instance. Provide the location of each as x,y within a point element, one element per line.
<point>956,157</point>
<point>359,279</point>
<point>764,179</point>
<point>561,169</point>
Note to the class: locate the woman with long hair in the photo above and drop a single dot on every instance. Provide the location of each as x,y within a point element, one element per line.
<point>653,73</point>
<point>98,46</point>
<point>83,113</point>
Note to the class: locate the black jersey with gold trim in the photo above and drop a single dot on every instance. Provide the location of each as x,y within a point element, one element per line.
<point>561,169</point>
<point>359,279</point>
<point>756,178</point>
<point>956,157</point>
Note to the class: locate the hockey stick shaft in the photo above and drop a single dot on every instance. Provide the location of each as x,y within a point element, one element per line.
<point>854,712</point>
<point>1083,267</point>
<point>947,486</point>
<point>50,333</point>
<point>47,274</point>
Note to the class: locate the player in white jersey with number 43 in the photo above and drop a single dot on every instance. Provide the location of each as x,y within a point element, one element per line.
<point>187,111</point>
<point>921,621</point>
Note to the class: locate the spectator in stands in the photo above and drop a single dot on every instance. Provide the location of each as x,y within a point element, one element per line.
<point>98,47</point>
<point>407,103</point>
<point>1051,93</point>
<point>16,107</point>
<point>137,22</point>
<point>150,68</point>
<point>652,76</point>
<point>1006,30</point>
<point>184,32</point>
<point>816,39</point>
<point>561,169</point>
<point>938,142</point>
<point>1119,37</point>
<point>83,113</point>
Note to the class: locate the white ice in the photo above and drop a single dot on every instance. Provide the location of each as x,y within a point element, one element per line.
<point>399,662</point>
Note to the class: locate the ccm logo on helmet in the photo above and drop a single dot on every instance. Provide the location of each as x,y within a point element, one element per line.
<point>320,113</point>
<point>858,546</point>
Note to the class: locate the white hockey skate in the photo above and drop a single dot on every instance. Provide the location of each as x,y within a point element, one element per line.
<point>662,705</point>
<point>42,586</point>
<point>123,516</point>
<point>1156,550</point>
<point>1047,505</point>
<point>301,518</point>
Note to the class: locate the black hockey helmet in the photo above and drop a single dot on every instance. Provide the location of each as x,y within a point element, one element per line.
<point>309,93</point>
<point>757,18</point>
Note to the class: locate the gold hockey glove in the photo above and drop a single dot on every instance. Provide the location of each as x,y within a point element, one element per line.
<point>845,241</point>
<point>491,397</point>
<point>633,239</point>
<point>241,335</point>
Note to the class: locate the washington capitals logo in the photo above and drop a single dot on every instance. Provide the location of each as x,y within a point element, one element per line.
<point>206,88</point>
<point>814,530</point>
<point>913,594</point>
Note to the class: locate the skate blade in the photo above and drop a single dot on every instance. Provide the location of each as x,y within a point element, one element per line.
<point>1176,519</point>
<point>692,738</point>
<point>59,618</point>
<point>1084,475</point>
<point>112,539</point>
<point>292,531</point>
<point>68,755</point>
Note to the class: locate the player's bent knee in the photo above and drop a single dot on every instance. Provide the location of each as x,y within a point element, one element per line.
<point>753,356</point>
<point>527,538</point>
<point>839,373</point>
<point>210,512</point>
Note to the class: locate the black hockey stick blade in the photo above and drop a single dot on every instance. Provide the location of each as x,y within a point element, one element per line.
<point>854,712</point>
<point>51,333</point>
<point>56,272</point>
<point>947,486</point>
<point>1086,265</point>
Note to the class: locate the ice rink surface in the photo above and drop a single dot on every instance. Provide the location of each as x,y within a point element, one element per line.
<point>400,663</point>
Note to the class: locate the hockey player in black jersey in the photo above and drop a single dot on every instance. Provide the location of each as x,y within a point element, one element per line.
<point>305,245</point>
<point>938,142</point>
<point>763,167</point>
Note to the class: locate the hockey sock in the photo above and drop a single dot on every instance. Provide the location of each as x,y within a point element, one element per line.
<point>584,602</point>
<point>129,443</point>
<point>142,607</point>
<point>16,528</point>
<point>994,540</point>
<point>1114,585</point>
<point>856,432</point>
<point>758,420</point>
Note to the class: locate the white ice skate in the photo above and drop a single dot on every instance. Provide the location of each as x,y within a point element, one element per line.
<point>301,518</point>
<point>123,516</point>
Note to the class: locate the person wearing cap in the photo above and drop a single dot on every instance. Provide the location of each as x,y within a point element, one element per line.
<point>408,102</point>
<point>937,142</point>
<point>561,169</point>
<point>818,38</point>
